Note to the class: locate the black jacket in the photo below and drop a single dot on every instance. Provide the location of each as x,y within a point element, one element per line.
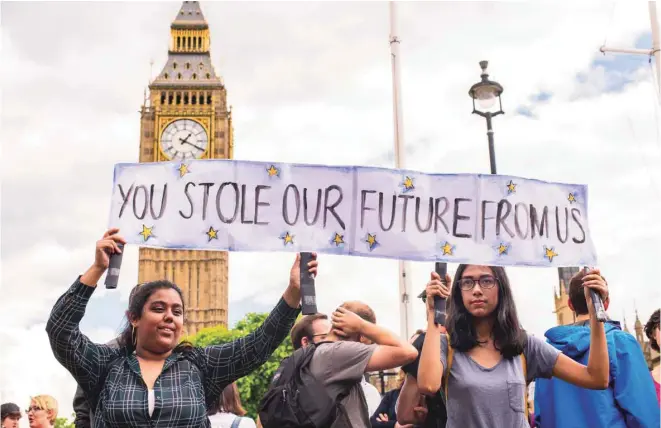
<point>388,406</point>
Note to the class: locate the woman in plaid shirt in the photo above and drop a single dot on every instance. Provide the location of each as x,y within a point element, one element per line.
<point>152,380</point>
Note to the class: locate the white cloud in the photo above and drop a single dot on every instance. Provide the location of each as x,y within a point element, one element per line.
<point>310,82</point>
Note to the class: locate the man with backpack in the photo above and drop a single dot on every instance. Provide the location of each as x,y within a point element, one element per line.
<point>319,386</point>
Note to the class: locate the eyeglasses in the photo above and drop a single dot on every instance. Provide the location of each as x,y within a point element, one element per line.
<point>33,408</point>
<point>485,281</point>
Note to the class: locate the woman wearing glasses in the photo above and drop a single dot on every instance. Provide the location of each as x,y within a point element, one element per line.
<point>42,412</point>
<point>490,357</point>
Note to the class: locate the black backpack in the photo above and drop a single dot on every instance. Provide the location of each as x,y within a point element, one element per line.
<point>296,399</point>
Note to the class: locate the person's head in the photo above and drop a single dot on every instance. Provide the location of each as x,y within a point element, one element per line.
<point>42,411</point>
<point>230,401</point>
<point>652,330</point>
<point>577,302</point>
<point>401,377</point>
<point>365,312</point>
<point>155,317</point>
<point>483,294</point>
<point>310,329</point>
<point>10,415</point>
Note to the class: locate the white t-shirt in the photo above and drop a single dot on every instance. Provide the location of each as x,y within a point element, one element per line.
<point>224,420</point>
<point>372,396</point>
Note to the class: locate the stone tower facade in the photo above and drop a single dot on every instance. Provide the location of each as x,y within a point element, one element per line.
<point>563,314</point>
<point>185,116</point>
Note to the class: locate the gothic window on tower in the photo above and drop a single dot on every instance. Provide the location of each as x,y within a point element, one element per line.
<point>201,99</point>
<point>162,97</point>
<point>178,76</point>
<point>178,46</point>
<point>167,76</point>
<point>208,75</point>
<point>185,97</point>
<point>208,98</point>
<point>194,42</point>
<point>201,66</point>
<point>174,65</point>
<point>188,66</point>
<point>178,97</point>
<point>170,96</point>
<point>194,76</point>
<point>193,99</point>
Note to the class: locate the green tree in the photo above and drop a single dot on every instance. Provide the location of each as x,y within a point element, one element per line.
<point>62,422</point>
<point>253,386</point>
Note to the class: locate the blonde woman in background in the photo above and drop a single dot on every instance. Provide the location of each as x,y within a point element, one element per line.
<point>42,411</point>
<point>230,413</point>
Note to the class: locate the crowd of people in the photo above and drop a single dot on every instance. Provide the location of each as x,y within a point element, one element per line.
<point>473,371</point>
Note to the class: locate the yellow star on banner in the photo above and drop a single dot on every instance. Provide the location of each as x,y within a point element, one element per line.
<point>287,239</point>
<point>338,239</point>
<point>273,171</point>
<point>549,253</point>
<point>146,232</point>
<point>502,249</point>
<point>511,187</point>
<point>408,183</point>
<point>183,170</point>
<point>447,249</point>
<point>212,233</point>
<point>571,198</point>
<point>371,241</point>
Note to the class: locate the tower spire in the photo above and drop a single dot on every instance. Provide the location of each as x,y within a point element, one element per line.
<point>189,60</point>
<point>638,327</point>
<point>190,16</point>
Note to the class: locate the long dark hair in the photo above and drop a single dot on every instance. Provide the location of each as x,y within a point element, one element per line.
<point>508,336</point>
<point>230,402</point>
<point>139,297</point>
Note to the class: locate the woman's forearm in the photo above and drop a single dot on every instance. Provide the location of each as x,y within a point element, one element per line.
<point>92,276</point>
<point>430,370</point>
<point>292,296</point>
<point>409,397</point>
<point>598,365</point>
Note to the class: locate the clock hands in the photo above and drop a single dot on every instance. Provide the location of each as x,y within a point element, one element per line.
<point>191,144</point>
<point>185,141</point>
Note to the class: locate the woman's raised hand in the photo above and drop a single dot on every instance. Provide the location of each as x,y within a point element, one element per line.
<point>107,246</point>
<point>436,288</point>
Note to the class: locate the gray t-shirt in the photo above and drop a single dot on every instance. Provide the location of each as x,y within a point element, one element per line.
<point>494,398</point>
<point>340,366</point>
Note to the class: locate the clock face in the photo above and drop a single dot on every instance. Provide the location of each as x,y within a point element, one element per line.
<point>184,139</point>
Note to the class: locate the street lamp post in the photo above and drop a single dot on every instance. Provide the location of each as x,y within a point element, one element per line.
<point>485,93</point>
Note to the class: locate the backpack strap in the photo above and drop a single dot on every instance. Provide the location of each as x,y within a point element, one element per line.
<point>449,366</point>
<point>525,380</point>
<point>236,422</point>
<point>524,366</point>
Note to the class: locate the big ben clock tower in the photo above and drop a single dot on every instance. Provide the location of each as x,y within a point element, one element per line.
<point>186,117</point>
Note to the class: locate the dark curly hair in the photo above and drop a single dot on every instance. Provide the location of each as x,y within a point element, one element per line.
<point>139,296</point>
<point>652,324</point>
<point>509,337</point>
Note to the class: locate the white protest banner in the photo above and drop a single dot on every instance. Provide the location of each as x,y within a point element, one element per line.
<point>362,211</point>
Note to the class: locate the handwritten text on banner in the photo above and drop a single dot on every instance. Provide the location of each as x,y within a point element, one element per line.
<point>375,212</point>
